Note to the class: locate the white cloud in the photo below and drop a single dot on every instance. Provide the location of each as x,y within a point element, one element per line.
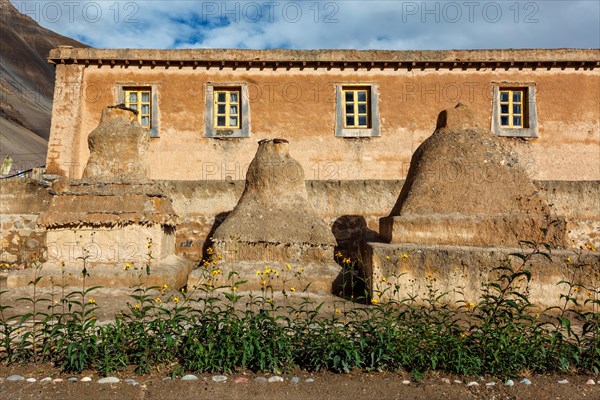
<point>314,24</point>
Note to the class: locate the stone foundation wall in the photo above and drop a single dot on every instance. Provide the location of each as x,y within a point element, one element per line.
<point>351,208</point>
<point>21,201</point>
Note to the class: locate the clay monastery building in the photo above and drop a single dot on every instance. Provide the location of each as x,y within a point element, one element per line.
<point>348,114</point>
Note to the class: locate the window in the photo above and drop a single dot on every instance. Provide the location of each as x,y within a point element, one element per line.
<point>356,108</point>
<point>227,108</point>
<point>140,100</point>
<point>144,100</point>
<point>512,108</point>
<point>357,111</point>
<point>514,111</point>
<point>227,111</point>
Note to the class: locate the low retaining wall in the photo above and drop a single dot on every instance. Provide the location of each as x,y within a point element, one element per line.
<point>350,208</point>
<point>400,271</point>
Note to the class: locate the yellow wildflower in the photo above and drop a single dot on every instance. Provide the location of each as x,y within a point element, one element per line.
<point>92,301</point>
<point>136,306</point>
<point>234,288</point>
<point>576,289</point>
<point>176,299</point>
<point>288,266</point>
<point>374,301</point>
<point>404,255</point>
<point>258,273</point>
<point>292,289</point>
<point>590,246</point>
<point>126,267</point>
<point>347,260</point>
<point>469,305</point>
<point>568,259</point>
<point>338,311</point>
<point>157,300</point>
<point>209,250</point>
<point>590,295</point>
<point>263,282</point>
<point>387,257</point>
<point>383,279</point>
<point>339,254</point>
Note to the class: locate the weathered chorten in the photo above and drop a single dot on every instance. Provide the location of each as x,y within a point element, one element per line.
<point>115,216</point>
<point>467,187</point>
<point>274,224</point>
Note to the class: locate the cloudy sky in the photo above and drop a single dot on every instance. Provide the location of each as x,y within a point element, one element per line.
<point>311,24</point>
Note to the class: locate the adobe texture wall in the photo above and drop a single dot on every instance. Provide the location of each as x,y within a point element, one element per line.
<point>297,102</point>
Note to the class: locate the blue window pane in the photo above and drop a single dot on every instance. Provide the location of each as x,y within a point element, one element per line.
<point>133,97</point>
<point>145,121</point>
<point>233,121</point>
<point>504,120</point>
<point>362,120</point>
<point>349,108</point>
<point>517,96</point>
<point>362,108</point>
<point>504,108</point>
<point>221,121</point>
<point>221,109</point>
<point>145,97</point>
<point>503,96</point>
<point>349,96</point>
<point>234,97</point>
<point>517,108</point>
<point>221,97</point>
<point>362,96</point>
<point>233,110</point>
<point>517,121</point>
<point>349,121</point>
<point>145,109</point>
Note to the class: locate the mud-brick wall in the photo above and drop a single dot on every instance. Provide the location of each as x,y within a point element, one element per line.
<point>579,203</point>
<point>21,201</point>
<point>351,208</point>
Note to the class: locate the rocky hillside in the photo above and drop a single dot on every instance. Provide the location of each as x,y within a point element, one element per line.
<point>26,86</point>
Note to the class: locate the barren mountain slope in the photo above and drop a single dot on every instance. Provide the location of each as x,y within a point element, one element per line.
<point>26,86</point>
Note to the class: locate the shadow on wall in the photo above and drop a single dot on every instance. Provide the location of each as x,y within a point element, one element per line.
<point>219,218</point>
<point>350,231</point>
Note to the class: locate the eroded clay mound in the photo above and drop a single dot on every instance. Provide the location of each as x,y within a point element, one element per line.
<point>464,168</point>
<point>465,186</point>
<point>274,206</point>
<point>117,148</point>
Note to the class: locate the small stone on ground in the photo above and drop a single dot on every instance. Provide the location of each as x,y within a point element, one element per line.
<point>472,383</point>
<point>590,382</point>
<point>510,382</point>
<point>86,379</point>
<point>31,380</point>
<point>260,379</point>
<point>109,379</point>
<point>219,378</point>
<point>191,377</point>
<point>295,379</point>
<point>14,378</point>
<point>525,381</point>
<point>275,379</point>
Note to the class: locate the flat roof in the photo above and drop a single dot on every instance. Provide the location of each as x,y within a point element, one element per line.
<point>276,58</point>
